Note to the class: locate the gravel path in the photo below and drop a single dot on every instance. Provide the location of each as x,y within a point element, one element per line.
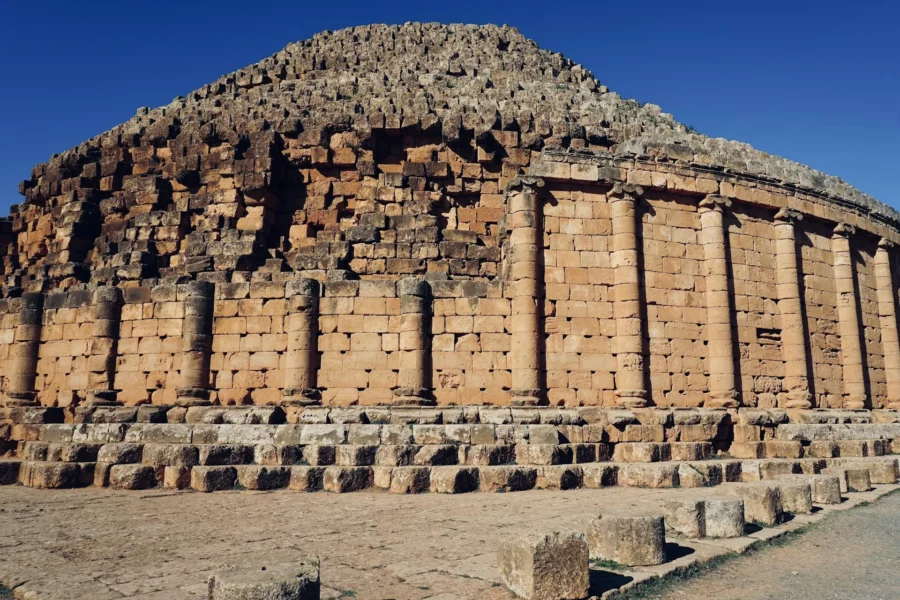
<point>854,555</point>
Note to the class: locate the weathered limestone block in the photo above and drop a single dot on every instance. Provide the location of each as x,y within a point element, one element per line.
<point>723,518</point>
<point>319,455</point>
<point>347,455</point>
<point>454,480</point>
<point>213,479</point>
<point>255,477</point>
<point>629,541</point>
<point>637,452</point>
<point>796,496</point>
<point>558,477</point>
<point>132,477</point>
<point>599,476</point>
<point>487,454</point>
<point>824,489</point>
<point>853,479</point>
<point>176,478</point>
<point>685,517</point>
<point>410,480</point>
<point>306,479</point>
<point>54,475</point>
<point>436,455</point>
<point>653,475</point>
<point>543,454</point>
<point>169,455</point>
<point>880,471</point>
<point>224,454</point>
<point>346,479</point>
<point>507,478</point>
<point>551,566</point>
<point>694,475</point>
<point>762,502</point>
<point>298,580</point>
<point>120,453</point>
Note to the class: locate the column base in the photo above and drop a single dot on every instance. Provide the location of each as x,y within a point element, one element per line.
<point>23,399</point>
<point>527,397</point>
<point>728,399</point>
<point>188,397</point>
<point>631,398</point>
<point>301,397</point>
<point>799,399</point>
<point>413,397</point>
<point>855,401</point>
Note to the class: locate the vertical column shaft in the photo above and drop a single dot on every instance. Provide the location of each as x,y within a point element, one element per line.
<point>887,315</point>
<point>793,333</point>
<point>722,392</point>
<point>108,302</point>
<point>848,318</point>
<point>302,357</point>
<point>414,381</point>
<point>523,220</point>
<point>631,390</point>
<point>197,340</point>
<point>27,343</point>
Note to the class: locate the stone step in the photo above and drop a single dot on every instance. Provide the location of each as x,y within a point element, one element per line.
<point>835,432</point>
<point>422,478</point>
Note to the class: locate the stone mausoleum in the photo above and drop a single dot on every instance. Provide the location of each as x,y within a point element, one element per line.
<point>434,245</point>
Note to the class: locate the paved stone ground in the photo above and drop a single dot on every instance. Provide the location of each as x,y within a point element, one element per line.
<point>103,544</point>
<point>854,555</point>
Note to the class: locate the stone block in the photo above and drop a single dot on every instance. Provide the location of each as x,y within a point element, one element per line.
<point>298,580</point>
<point>51,475</point>
<point>543,454</point>
<point>225,454</point>
<point>637,452</point>
<point>545,566</point>
<point>762,502</point>
<point>306,479</point>
<point>558,477</point>
<point>395,455</point>
<point>256,477</point>
<point>599,476</point>
<point>454,480</point>
<point>436,455</point>
<point>747,450</point>
<point>629,541</point>
<point>177,478</point>
<point>796,496</point>
<point>317,455</point>
<point>723,518</point>
<point>821,449</point>
<point>488,454</point>
<point>782,449</point>
<point>410,480</point>
<point>694,475</point>
<point>213,479</point>
<point>170,455</point>
<point>851,479</point>
<point>507,478</point>
<point>685,517</point>
<point>132,477</point>
<point>881,471</point>
<point>348,455</point>
<point>346,479</point>
<point>687,451</point>
<point>824,489</point>
<point>120,453</point>
<point>657,475</point>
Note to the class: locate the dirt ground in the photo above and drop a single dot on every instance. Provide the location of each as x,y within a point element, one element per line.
<point>102,544</point>
<point>854,555</point>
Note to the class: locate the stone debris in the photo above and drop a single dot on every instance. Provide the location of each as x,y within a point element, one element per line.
<point>545,566</point>
<point>629,541</point>
<point>762,502</point>
<point>295,581</point>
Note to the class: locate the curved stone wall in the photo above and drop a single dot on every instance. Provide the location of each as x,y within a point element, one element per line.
<point>572,279</point>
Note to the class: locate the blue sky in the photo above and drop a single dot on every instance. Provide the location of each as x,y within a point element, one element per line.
<point>817,82</point>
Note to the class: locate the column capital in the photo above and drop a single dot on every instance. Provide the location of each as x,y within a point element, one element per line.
<point>715,202</point>
<point>788,216</point>
<point>524,184</point>
<point>625,191</point>
<point>886,244</point>
<point>844,230</point>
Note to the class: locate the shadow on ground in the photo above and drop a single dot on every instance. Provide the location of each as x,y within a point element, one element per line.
<point>603,581</point>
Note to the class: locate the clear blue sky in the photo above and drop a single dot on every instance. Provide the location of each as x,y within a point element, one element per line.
<point>817,82</point>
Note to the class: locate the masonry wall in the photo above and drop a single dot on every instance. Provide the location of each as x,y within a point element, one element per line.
<point>390,229</point>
